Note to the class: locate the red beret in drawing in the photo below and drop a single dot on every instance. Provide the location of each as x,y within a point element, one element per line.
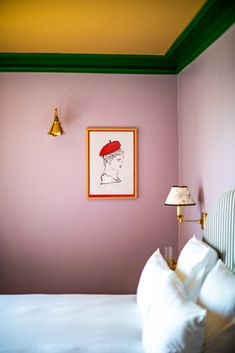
<point>110,148</point>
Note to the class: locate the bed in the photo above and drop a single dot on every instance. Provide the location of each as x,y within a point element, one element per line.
<point>70,323</point>
<point>127,323</point>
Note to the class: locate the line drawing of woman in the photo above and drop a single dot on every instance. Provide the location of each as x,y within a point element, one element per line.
<point>113,157</point>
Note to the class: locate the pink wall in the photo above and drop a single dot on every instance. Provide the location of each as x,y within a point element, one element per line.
<point>206,105</point>
<point>52,239</point>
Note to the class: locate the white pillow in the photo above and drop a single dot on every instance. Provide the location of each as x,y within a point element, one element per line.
<point>195,261</point>
<point>154,273</point>
<point>174,323</point>
<point>218,297</point>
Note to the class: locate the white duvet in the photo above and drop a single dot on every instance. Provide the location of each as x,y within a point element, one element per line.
<point>70,324</point>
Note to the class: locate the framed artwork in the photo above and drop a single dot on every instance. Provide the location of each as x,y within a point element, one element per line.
<point>111,163</point>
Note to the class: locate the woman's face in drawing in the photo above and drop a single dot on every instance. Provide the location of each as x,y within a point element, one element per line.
<point>117,162</point>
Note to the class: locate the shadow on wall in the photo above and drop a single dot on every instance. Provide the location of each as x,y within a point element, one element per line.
<point>201,198</point>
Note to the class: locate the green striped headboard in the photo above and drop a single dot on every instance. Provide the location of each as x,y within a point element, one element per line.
<point>220,228</point>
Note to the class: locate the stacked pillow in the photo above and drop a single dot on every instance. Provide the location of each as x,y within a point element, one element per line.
<point>217,296</point>
<point>208,279</point>
<point>153,276</point>
<point>172,323</point>
<point>194,263</point>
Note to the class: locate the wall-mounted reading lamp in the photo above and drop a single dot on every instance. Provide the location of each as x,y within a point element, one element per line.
<point>180,196</point>
<point>56,129</point>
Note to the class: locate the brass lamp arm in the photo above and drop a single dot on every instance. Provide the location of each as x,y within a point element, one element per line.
<point>200,221</point>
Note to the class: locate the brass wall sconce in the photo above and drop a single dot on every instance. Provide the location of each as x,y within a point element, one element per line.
<point>56,128</point>
<point>180,196</point>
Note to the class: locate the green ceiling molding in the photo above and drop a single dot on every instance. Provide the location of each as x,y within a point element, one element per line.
<point>91,63</point>
<point>214,18</point>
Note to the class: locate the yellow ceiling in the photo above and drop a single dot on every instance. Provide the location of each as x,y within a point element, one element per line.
<point>93,26</point>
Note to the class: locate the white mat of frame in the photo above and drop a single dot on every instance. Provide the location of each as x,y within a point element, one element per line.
<point>220,228</point>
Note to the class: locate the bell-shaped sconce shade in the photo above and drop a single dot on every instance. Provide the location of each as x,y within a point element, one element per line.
<point>56,129</point>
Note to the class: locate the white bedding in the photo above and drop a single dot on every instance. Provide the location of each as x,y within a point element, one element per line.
<point>70,324</point>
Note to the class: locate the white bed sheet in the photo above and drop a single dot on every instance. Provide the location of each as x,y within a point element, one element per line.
<point>70,324</point>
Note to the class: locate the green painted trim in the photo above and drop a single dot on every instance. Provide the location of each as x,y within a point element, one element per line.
<point>93,63</point>
<point>214,18</point>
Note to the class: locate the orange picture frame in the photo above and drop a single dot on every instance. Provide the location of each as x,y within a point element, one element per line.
<point>111,163</point>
